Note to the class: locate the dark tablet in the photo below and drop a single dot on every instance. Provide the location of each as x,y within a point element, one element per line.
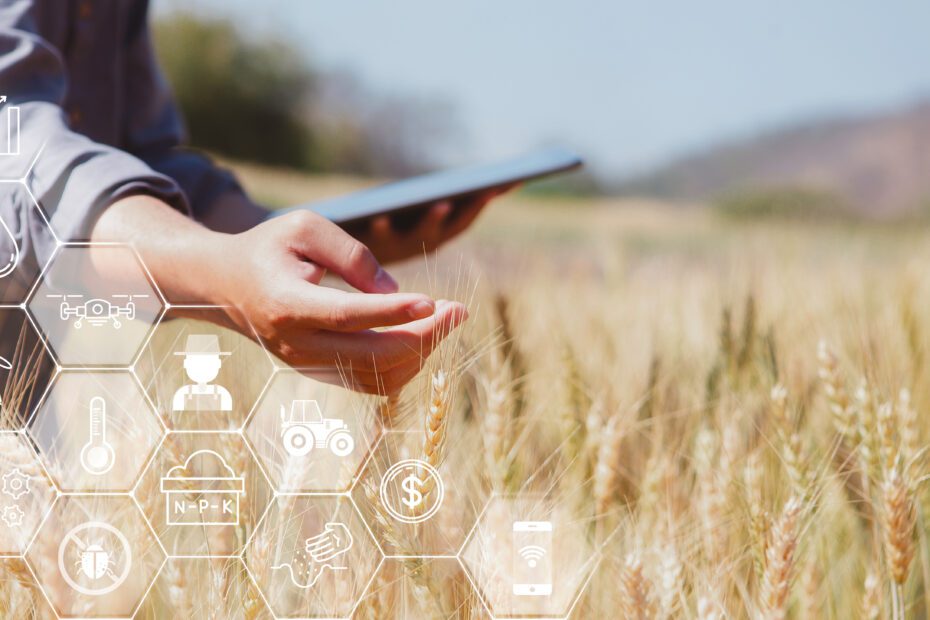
<point>406,197</point>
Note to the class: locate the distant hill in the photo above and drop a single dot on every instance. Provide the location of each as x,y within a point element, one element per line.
<point>878,165</point>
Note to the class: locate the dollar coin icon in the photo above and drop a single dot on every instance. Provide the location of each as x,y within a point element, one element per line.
<point>411,490</point>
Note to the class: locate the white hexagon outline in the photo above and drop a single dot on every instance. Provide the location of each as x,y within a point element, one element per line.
<point>371,536</point>
<point>45,219</point>
<point>148,588</point>
<point>56,493</point>
<point>32,164</point>
<point>380,431</point>
<point>422,556</point>
<point>596,560</point>
<point>135,379</point>
<point>27,418</point>
<point>162,317</point>
<point>149,463</point>
<point>59,248</point>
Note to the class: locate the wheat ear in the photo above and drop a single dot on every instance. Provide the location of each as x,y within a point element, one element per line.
<point>436,423</point>
<point>871,597</point>
<point>636,595</point>
<point>899,521</point>
<point>844,416</point>
<point>779,562</point>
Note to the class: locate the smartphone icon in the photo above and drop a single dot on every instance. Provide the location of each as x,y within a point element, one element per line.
<point>532,564</point>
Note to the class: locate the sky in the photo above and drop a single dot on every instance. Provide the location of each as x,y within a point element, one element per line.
<point>629,85</point>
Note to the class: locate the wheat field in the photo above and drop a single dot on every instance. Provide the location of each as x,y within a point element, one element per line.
<point>726,418</point>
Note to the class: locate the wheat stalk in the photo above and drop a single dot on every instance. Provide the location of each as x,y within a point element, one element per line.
<point>605,469</point>
<point>671,581</point>
<point>636,592</point>
<point>871,597</point>
<point>844,415</point>
<point>436,422</point>
<point>899,519</point>
<point>779,562</point>
<point>790,442</point>
<point>494,433</point>
<point>908,427</point>
<point>758,517</point>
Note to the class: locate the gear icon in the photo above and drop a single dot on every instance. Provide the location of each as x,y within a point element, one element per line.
<point>13,516</point>
<point>15,483</point>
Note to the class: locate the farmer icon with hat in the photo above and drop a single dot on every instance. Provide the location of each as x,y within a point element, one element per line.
<point>202,363</point>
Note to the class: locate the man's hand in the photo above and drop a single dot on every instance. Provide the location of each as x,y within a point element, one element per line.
<point>270,276</point>
<point>439,224</point>
<point>273,277</point>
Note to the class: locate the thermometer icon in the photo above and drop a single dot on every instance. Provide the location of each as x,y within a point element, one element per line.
<point>97,456</point>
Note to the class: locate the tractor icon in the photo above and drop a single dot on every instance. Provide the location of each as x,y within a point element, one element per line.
<point>305,428</point>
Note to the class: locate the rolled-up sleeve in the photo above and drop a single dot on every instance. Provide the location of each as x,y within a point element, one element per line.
<point>72,177</point>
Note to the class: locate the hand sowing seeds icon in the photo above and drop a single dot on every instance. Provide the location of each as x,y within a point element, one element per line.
<point>323,549</point>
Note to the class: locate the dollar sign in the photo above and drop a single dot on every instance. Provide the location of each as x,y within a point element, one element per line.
<point>413,498</point>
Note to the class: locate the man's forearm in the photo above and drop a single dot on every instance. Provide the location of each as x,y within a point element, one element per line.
<point>177,251</point>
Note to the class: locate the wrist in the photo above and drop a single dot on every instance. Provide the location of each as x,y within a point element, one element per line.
<point>194,269</point>
<point>182,256</point>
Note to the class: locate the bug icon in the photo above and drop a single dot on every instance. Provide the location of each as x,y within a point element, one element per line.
<point>94,558</point>
<point>95,562</point>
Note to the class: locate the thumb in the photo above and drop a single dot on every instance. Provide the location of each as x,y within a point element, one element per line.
<point>317,239</point>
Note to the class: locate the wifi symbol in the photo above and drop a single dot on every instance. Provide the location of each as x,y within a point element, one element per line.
<point>532,554</point>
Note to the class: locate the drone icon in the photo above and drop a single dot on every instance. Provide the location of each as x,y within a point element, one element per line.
<point>97,312</point>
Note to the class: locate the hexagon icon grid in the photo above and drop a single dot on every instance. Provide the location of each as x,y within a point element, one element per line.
<point>528,557</point>
<point>310,436</point>
<point>200,375</point>
<point>18,269</point>
<point>96,304</point>
<point>96,430</point>
<point>22,354</point>
<point>312,556</point>
<point>26,493</point>
<point>95,557</point>
<point>203,493</point>
<point>417,507</point>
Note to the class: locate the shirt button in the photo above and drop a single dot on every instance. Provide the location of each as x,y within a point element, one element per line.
<point>85,9</point>
<point>75,116</point>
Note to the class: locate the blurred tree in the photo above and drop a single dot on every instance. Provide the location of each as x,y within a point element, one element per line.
<point>258,100</point>
<point>239,98</point>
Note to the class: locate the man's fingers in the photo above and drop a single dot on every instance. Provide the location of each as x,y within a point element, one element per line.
<point>334,310</point>
<point>383,383</point>
<point>317,239</point>
<point>384,349</point>
<point>464,218</point>
<point>447,316</point>
<point>429,229</point>
<point>377,351</point>
<point>381,229</point>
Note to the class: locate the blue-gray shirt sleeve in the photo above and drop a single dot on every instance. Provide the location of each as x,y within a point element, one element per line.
<point>72,177</point>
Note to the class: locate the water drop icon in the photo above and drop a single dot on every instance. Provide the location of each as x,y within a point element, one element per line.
<point>9,251</point>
